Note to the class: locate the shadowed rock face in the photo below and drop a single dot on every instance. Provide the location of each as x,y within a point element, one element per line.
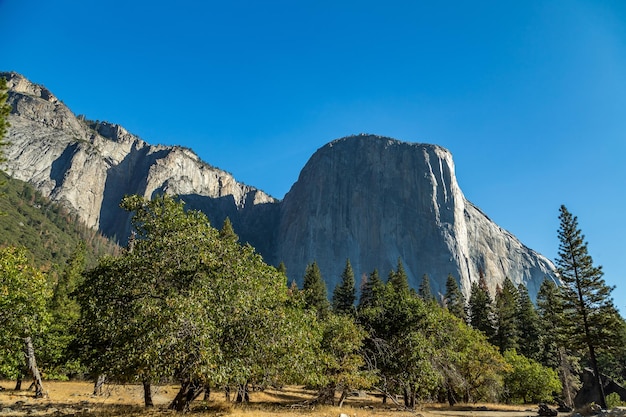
<point>367,198</point>
<point>373,200</point>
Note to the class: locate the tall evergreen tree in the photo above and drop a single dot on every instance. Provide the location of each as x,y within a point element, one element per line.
<point>282,268</point>
<point>398,280</point>
<point>454,299</point>
<point>424,290</point>
<point>344,294</point>
<point>506,335</point>
<point>315,293</point>
<point>371,290</point>
<point>481,308</point>
<point>588,305</point>
<point>550,312</point>
<point>529,332</point>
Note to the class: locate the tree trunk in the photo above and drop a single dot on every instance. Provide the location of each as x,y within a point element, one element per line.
<point>596,371</point>
<point>326,395</point>
<point>227,393</point>
<point>189,391</point>
<point>98,384</point>
<point>147,393</point>
<point>207,392</point>
<point>342,397</point>
<point>243,394</point>
<point>29,352</point>
<point>18,383</point>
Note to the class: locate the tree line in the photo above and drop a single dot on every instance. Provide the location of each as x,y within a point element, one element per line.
<point>187,302</point>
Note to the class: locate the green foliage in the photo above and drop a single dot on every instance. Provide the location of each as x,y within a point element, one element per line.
<point>424,290</point>
<point>528,327</point>
<point>344,294</point>
<point>614,400</point>
<point>185,302</point>
<point>481,308</point>
<point>506,329</point>
<point>48,231</point>
<point>529,381</point>
<point>398,279</point>
<point>315,293</point>
<point>587,298</point>
<point>454,299</point>
<point>551,321</point>
<point>371,291</point>
<point>24,294</point>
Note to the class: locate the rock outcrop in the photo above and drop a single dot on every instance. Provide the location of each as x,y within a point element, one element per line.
<point>373,200</point>
<point>90,166</point>
<point>367,198</point>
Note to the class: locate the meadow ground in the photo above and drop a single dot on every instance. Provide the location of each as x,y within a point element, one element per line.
<point>76,399</point>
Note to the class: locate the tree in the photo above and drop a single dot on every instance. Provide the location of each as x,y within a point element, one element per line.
<point>58,356</point>
<point>23,314</point>
<point>424,290</point>
<point>481,308</point>
<point>454,299</point>
<point>227,231</point>
<point>506,331</point>
<point>315,293</point>
<point>344,294</point>
<point>398,279</point>
<point>588,305</point>
<point>553,338</point>
<point>371,290</point>
<point>529,381</point>
<point>528,327</point>
<point>185,303</point>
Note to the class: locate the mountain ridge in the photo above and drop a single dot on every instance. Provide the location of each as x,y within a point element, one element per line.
<point>368,198</point>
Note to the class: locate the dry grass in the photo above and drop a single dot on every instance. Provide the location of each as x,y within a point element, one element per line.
<point>75,399</point>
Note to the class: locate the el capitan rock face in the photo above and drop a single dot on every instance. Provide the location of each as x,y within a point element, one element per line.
<point>373,200</point>
<point>367,198</point>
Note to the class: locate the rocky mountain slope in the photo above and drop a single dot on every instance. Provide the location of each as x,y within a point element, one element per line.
<point>367,198</point>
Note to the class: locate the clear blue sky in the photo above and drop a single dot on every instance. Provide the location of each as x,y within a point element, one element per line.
<point>529,96</point>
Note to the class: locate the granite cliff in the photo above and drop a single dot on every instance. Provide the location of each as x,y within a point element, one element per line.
<point>367,198</point>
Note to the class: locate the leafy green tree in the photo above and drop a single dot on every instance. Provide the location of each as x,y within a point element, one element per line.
<point>506,330</point>
<point>454,299</point>
<point>188,304</point>
<point>529,381</point>
<point>588,305</point>
<point>341,366</point>
<point>24,295</point>
<point>424,290</point>
<point>344,294</point>
<point>481,308</point>
<point>282,268</point>
<point>58,357</point>
<point>315,293</point>
<point>528,327</point>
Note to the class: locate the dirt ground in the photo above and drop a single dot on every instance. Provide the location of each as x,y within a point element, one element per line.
<point>76,399</point>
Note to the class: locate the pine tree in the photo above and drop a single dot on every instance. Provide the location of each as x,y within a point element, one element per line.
<point>454,300</point>
<point>227,232</point>
<point>371,290</point>
<point>282,268</point>
<point>424,290</point>
<point>529,332</point>
<point>550,312</point>
<point>588,305</point>
<point>481,308</point>
<point>398,280</point>
<point>344,294</point>
<point>506,335</point>
<point>315,293</point>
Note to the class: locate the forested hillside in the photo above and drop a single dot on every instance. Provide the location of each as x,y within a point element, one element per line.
<point>50,232</point>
